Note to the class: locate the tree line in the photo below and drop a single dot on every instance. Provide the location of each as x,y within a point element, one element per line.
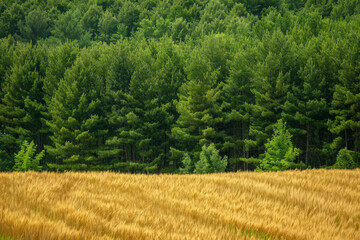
<point>151,86</point>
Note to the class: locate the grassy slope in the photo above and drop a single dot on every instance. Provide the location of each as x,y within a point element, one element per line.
<point>312,204</point>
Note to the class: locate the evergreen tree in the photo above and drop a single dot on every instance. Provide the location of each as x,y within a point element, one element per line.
<point>60,59</point>
<point>142,85</point>
<point>306,109</point>
<point>76,122</point>
<point>107,26</point>
<point>213,19</point>
<point>129,16</point>
<point>198,107</point>
<point>270,85</point>
<point>7,48</point>
<point>9,19</point>
<point>22,101</point>
<point>90,20</point>
<point>237,100</point>
<point>36,25</point>
<point>116,100</point>
<point>67,26</point>
<point>345,104</point>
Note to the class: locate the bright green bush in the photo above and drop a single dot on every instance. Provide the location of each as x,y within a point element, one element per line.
<point>280,153</point>
<point>187,164</point>
<point>210,161</point>
<point>26,159</point>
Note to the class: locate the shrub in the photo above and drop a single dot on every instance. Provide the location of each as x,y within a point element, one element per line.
<point>344,160</point>
<point>26,160</point>
<point>187,164</point>
<point>210,160</point>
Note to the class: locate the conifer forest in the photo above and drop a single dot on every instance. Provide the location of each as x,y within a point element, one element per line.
<point>179,86</point>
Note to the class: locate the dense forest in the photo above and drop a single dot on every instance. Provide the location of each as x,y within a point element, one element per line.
<point>145,86</point>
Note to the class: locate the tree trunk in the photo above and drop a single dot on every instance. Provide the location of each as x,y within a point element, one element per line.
<point>356,149</point>
<point>307,143</point>
<point>133,153</point>
<point>126,153</point>
<point>164,160</point>
<point>142,149</point>
<point>346,139</point>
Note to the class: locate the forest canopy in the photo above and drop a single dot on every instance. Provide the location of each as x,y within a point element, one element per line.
<point>147,85</point>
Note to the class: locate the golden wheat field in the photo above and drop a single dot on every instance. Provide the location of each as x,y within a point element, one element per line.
<point>311,204</point>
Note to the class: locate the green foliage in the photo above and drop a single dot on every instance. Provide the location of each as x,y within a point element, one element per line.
<point>22,100</point>
<point>67,26</point>
<point>280,153</point>
<point>186,161</point>
<point>5,238</point>
<point>36,25</point>
<point>198,107</point>
<point>26,159</point>
<point>344,160</point>
<point>90,20</point>
<point>107,26</point>
<point>210,161</point>
<point>75,118</point>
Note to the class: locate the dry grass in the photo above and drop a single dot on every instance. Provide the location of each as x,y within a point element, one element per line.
<point>313,204</point>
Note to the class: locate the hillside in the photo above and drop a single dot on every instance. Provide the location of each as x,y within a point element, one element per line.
<point>311,204</point>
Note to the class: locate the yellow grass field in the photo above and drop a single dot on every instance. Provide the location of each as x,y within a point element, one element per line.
<point>311,204</point>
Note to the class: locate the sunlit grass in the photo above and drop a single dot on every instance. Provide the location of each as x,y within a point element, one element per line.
<point>311,204</point>
<point>5,238</point>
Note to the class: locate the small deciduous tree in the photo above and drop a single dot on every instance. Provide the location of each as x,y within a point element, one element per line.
<point>210,160</point>
<point>280,153</point>
<point>187,164</point>
<point>26,159</point>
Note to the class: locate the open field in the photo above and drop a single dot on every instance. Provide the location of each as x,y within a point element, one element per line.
<point>312,204</point>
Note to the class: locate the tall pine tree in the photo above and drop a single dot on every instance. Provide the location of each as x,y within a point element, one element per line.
<point>77,123</point>
<point>22,101</point>
<point>198,107</point>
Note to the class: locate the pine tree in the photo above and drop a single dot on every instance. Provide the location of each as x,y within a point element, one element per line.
<point>237,99</point>
<point>76,123</point>
<point>22,101</point>
<point>107,26</point>
<point>67,26</point>
<point>146,84</point>
<point>60,59</point>
<point>7,48</point>
<point>90,20</point>
<point>270,85</point>
<point>345,104</point>
<point>213,19</point>
<point>36,25</point>
<point>306,109</point>
<point>198,107</point>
